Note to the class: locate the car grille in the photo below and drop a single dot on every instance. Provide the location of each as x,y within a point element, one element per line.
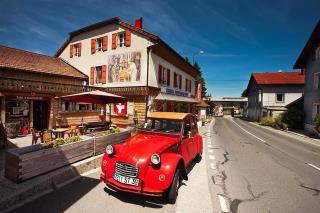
<point>127,170</point>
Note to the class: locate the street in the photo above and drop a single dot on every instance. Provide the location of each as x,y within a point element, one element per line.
<point>259,170</point>
<point>245,169</point>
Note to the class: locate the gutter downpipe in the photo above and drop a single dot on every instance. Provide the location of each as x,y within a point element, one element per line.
<point>147,85</point>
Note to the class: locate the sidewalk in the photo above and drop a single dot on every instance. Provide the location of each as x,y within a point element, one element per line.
<point>13,195</point>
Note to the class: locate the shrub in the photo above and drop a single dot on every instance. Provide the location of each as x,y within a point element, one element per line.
<point>274,122</point>
<point>114,130</point>
<point>60,141</point>
<point>294,117</point>
<point>317,123</point>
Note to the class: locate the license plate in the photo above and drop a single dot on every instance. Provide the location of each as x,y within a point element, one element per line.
<point>126,180</point>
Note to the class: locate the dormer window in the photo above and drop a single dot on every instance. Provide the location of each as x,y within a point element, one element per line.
<point>121,39</point>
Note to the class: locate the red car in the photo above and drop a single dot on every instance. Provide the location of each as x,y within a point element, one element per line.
<point>153,162</point>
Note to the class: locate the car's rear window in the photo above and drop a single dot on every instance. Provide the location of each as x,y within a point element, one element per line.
<point>162,125</point>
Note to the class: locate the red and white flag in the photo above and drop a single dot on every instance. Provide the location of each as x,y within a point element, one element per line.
<point>120,109</point>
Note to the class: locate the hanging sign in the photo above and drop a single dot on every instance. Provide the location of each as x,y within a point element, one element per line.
<point>120,109</point>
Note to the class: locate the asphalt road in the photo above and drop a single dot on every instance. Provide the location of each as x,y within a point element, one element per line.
<point>253,169</point>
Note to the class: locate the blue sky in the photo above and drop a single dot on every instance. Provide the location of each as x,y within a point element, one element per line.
<point>238,37</point>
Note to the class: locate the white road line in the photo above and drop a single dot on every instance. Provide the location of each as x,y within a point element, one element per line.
<point>223,204</point>
<point>212,157</point>
<point>248,132</point>
<point>209,142</point>
<point>210,150</point>
<point>209,146</point>
<point>313,166</point>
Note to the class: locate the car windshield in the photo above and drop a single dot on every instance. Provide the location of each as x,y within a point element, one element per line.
<point>162,125</point>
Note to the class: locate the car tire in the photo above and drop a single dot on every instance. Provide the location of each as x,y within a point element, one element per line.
<point>198,158</point>
<point>172,192</point>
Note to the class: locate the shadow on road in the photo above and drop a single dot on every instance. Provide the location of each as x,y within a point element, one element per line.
<point>61,199</point>
<point>144,201</point>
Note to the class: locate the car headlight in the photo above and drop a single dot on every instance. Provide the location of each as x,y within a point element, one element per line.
<point>155,159</point>
<point>109,150</point>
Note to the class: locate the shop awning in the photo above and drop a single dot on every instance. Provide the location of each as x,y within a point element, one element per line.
<point>167,97</point>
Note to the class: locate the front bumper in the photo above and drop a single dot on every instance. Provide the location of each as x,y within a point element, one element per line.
<point>141,190</point>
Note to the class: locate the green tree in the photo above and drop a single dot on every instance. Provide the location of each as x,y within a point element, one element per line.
<point>200,78</point>
<point>187,59</point>
<point>244,93</point>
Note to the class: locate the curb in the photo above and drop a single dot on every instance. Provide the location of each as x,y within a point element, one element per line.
<point>49,182</point>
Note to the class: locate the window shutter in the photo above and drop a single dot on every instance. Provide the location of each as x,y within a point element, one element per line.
<point>175,79</point>
<point>180,81</point>
<point>160,74</point>
<point>128,38</point>
<point>79,49</point>
<point>105,43</point>
<point>104,74</point>
<point>114,40</point>
<point>71,50</point>
<point>186,85</point>
<point>168,77</point>
<point>315,81</point>
<point>92,76</point>
<point>189,85</point>
<point>93,46</point>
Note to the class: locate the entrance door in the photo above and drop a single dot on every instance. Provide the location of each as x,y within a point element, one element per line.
<point>40,114</point>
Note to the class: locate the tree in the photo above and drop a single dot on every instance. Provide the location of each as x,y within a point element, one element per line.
<point>200,78</point>
<point>187,59</point>
<point>244,93</point>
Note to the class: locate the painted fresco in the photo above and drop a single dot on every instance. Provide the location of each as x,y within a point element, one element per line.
<point>124,67</point>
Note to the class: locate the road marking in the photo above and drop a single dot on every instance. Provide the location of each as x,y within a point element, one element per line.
<point>310,164</point>
<point>223,204</point>
<point>212,157</point>
<point>248,132</point>
<point>209,142</point>
<point>209,146</point>
<point>210,150</point>
<point>213,166</point>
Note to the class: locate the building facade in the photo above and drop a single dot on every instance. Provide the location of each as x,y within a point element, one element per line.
<point>269,93</point>
<point>127,60</point>
<point>29,83</point>
<point>309,63</point>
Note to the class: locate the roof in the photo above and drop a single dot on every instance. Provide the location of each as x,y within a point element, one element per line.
<point>276,78</point>
<point>295,102</point>
<point>11,58</point>
<point>159,47</point>
<point>168,97</point>
<point>168,115</point>
<point>279,78</point>
<point>202,104</point>
<point>308,49</point>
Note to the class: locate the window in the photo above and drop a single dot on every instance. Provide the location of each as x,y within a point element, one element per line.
<point>317,53</point>
<point>75,49</point>
<point>162,125</point>
<point>315,110</point>
<point>68,106</point>
<point>121,39</point>
<point>98,75</point>
<point>316,80</point>
<point>187,127</point>
<point>280,97</point>
<point>99,44</point>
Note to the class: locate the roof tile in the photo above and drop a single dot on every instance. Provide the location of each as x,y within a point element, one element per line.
<point>279,78</point>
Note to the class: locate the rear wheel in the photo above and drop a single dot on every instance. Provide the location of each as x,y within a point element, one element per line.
<point>172,192</point>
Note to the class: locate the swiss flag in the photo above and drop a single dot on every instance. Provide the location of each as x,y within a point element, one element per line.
<point>120,109</point>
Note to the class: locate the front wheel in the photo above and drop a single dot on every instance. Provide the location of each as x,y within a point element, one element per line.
<point>172,192</point>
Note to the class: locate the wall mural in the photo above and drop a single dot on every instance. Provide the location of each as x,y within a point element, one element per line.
<point>124,67</point>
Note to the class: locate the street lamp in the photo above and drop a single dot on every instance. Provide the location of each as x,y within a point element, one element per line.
<point>196,53</point>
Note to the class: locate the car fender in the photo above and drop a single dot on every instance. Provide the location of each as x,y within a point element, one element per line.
<point>168,166</point>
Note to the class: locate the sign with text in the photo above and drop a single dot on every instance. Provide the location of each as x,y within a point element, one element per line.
<point>120,109</point>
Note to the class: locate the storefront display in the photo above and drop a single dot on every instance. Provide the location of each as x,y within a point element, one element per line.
<point>17,116</point>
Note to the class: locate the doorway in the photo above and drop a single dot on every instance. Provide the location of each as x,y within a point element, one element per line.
<point>40,115</point>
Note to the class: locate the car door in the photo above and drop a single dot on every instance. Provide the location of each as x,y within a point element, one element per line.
<point>194,131</point>
<point>187,142</point>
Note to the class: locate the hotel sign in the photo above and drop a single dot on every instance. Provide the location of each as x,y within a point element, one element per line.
<point>174,92</point>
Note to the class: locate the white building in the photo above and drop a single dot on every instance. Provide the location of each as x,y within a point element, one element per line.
<point>129,61</point>
<point>269,93</point>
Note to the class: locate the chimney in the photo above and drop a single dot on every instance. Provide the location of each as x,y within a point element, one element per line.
<point>138,23</point>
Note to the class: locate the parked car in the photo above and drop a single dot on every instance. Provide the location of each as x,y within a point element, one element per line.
<point>153,162</point>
